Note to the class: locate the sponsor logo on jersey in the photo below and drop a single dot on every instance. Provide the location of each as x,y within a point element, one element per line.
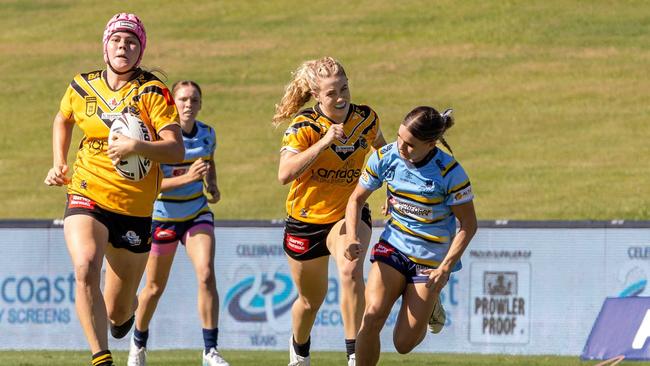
<point>465,193</point>
<point>344,148</point>
<point>296,244</point>
<point>81,202</point>
<point>111,116</point>
<point>412,209</point>
<point>337,176</point>
<point>382,250</point>
<point>164,234</point>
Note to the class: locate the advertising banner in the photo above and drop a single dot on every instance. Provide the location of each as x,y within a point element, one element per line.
<point>520,291</point>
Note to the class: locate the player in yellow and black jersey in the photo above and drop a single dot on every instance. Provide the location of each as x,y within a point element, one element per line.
<point>103,207</point>
<point>323,152</point>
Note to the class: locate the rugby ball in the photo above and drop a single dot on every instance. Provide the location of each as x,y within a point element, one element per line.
<point>132,167</point>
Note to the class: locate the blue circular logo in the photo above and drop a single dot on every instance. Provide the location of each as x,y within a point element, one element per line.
<point>261,298</point>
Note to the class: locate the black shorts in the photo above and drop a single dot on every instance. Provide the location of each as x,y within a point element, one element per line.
<point>132,233</point>
<point>304,241</point>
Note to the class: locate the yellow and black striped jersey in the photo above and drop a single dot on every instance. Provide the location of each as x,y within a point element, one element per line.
<point>94,105</point>
<point>320,194</point>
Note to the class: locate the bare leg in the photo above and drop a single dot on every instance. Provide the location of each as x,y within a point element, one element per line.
<point>158,268</point>
<point>86,239</point>
<point>413,319</point>
<point>351,277</point>
<point>123,274</point>
<point>310,277</point>
<point>385,285</point>
<point>200,248</point>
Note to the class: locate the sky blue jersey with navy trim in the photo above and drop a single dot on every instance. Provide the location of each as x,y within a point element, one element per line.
<point>421,223</point>
<point>188,201</point>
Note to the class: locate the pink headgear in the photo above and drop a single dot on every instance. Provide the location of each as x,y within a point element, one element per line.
<point>125,22</point>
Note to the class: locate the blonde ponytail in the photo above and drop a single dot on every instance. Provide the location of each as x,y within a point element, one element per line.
<point>304,82</point>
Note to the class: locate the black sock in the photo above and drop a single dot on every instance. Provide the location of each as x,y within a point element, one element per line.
<point>119,331</point>
<point>301,349</point>
<point>102,358</point>
<point>140,338</point>
<point>349,346</point>
<point>210,338</point>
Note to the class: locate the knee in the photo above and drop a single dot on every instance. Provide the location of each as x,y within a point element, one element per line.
<point>87,274</point>
<point>404,342</point>
<point>119,313</point>
<point>351,274</point>
<point>403,348</point>
<point>155,290</point>
<point>309,305</point>
<point>205,277</point>
<point>374,319</point>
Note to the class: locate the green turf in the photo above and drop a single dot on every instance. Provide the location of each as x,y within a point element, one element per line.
<point>258,358</point>
<point>549,96</point>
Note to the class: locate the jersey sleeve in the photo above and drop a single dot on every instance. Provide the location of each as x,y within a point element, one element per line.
<point>459,188</point>
<point>300,136</point>
<point>372,176</point>
<point>374,131</point>
<point>65,107</point>
<point>160,105</point>
<point>213,134</point>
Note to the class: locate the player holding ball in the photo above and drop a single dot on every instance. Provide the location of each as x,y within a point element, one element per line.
<point>107,215</point>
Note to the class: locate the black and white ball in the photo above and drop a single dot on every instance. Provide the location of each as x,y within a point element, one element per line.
<point>132,167</point>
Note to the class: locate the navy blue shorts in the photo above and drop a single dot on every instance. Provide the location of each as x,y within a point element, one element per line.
<point>388,254</point>
<point>132,233</point>
<point>168,232</point>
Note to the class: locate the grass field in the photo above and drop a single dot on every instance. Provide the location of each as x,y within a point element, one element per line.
<point>550,100</point>
<point>248,358</point>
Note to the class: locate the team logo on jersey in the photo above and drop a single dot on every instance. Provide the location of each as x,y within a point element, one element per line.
<point>132,238</point>
<point>91,106</point>
<point>363,142</point>
<point>390,173</point>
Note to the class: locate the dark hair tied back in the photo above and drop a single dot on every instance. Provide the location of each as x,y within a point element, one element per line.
<point>427,124</point>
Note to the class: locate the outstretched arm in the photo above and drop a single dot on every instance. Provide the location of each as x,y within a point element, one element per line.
<point>352,219</point>
<point>61,137</point>
<point>467,217</point>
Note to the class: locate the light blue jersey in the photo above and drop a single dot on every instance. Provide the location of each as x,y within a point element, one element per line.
<point>420,197</point>
<point>188,201</point>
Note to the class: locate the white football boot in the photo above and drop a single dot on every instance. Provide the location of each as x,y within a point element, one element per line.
<point>352,360</point>
<point>137,355</point>
<point>295,359</point>
<point>213,358</point>
<point>438,317</point>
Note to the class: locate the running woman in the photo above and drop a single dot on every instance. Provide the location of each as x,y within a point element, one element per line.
<point>107,215</point>
<point>322,156</point>
<point>181,213</point>
<point>420,247</point>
